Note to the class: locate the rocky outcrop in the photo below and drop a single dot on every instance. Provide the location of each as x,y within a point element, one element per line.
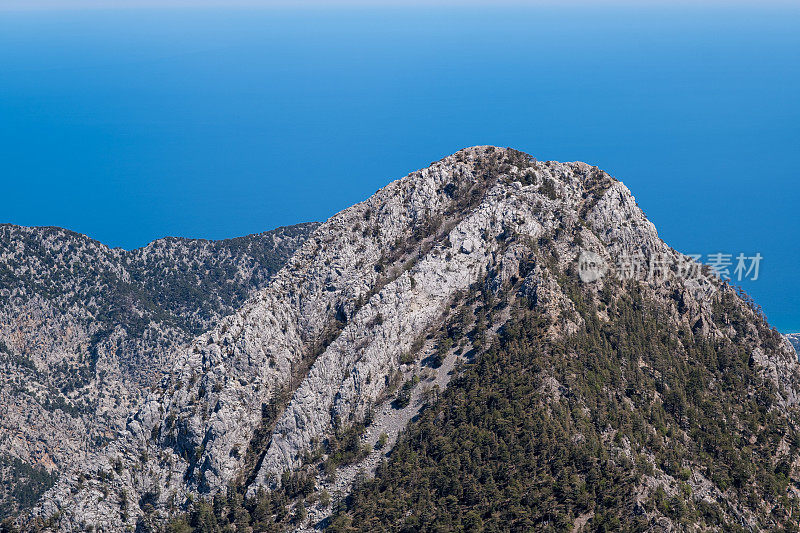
<point>85,330</point>
<point>324,344</point>
<point>794,340</point>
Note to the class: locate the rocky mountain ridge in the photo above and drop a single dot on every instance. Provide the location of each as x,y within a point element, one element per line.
<point>85,329</point>
<point>289,393</point>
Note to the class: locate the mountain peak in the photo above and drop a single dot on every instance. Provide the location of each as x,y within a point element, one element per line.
<point>359,312</point>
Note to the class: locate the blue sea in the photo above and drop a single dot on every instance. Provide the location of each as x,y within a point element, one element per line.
<point>129,125</point>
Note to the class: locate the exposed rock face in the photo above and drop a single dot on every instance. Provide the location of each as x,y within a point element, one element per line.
<point>794,339</point>
<point>324,343</point>
<point>85,329</point>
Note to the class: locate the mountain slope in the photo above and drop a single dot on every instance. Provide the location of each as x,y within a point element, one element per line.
<point>85,329</point>
<point>357,333</point>
<point>633,423</point>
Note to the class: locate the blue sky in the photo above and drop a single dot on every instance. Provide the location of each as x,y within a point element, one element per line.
<point>27,5</point>
<point>129,125</point>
